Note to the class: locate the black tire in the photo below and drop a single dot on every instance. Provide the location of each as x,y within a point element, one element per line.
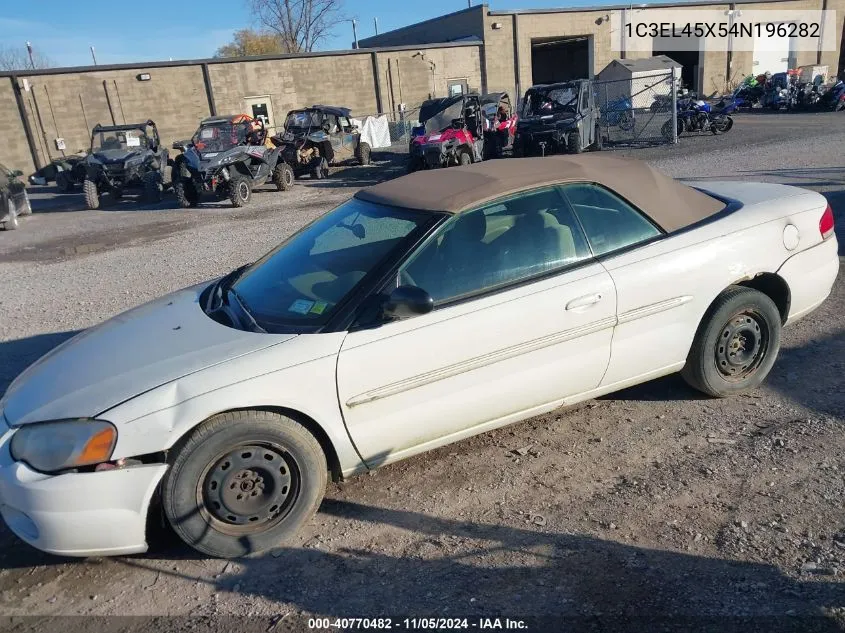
<point>153,187</point>
<point>464,157</point>
<point>840,105</point>
<point>719,363</point>
<point>240,190</point>
<point>283,176</point>
<point>518,149</point>
<point>414,164</point>
<point>63,182</point>
<point>573,143</point>
<point>12,223</point>
<point>186,193</point>
<point>320,169</point>
<point>92,196</point>
<point>279,472</point>
<point>626,121</point>
<point>598,144</point>
<point>363,153</point>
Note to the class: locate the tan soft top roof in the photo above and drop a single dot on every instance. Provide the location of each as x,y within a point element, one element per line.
<point>669,203</point>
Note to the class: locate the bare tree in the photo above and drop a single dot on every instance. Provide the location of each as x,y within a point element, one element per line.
<point>301,24</point>
<point>18,59</point>
<point>248,42</point>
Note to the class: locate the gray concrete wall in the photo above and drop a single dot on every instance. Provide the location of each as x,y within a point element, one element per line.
<point>70,101</point>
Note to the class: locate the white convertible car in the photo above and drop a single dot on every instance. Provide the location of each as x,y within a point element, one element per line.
<point>420,312</point>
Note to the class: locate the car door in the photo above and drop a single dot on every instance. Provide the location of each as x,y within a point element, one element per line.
<point>523,318</point>
<point>656,312</point>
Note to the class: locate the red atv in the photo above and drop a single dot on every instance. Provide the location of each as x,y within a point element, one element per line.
<point>499,124</point>
<point>451,132</point>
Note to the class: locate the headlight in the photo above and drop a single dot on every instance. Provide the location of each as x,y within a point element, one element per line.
<point>63,444</point>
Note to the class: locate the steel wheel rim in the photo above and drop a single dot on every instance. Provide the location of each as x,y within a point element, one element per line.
<point>243,191</point>
<point>249,488</point>
<point>742,345</point>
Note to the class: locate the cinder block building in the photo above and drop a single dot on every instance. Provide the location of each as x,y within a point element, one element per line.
<point>525,47</point>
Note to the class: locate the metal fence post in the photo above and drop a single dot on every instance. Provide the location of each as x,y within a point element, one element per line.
<point>674,110</point>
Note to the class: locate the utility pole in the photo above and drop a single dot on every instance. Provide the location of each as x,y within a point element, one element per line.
<point>94,57</point>
<point>29,50</point>
<point>355,34</point>
<point>375,21</point>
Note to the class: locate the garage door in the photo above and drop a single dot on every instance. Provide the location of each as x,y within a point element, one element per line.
<point>771,54</point>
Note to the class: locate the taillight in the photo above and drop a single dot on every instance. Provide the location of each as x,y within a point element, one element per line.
<point>826,223</point>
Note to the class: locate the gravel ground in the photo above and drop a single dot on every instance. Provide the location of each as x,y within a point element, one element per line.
<point>649,504</point>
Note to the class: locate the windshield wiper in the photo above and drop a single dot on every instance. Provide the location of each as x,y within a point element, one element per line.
<point>253,324</point>
<point>223,285</point>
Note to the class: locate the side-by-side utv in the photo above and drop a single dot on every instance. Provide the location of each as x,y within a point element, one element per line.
<point>558,118</point>
<point>124,157</point>
<point>227,156</point>
<point>315,138</point>
<point>451,132</point>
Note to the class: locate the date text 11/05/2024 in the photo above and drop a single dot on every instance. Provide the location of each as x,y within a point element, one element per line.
<point>417,624</point>
<point>723,29</point>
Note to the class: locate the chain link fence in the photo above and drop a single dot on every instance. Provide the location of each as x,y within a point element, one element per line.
<point>641,109</point>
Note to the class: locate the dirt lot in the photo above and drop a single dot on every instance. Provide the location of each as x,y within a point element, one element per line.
<point>650,505</point>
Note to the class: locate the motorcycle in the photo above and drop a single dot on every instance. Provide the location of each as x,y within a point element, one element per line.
<point>696,115</point>
<point>834,97</point>
<point>618,113</point>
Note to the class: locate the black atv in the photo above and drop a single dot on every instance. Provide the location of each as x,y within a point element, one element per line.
<point>315,138</point>
<point>558,118</point>
<point>124,157</point>
<point>228,157</point>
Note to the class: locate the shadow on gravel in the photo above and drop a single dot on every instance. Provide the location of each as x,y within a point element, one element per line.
<point>458,568</point>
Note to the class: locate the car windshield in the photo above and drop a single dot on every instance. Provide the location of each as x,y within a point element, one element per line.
<point>304,279</point>
<point>550,100</point>
<point>308,118</point>
<point>220,136</point>
<point>119,139</point>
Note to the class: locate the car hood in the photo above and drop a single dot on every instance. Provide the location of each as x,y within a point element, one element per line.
<point>114,155</point>
<point>125,356</point>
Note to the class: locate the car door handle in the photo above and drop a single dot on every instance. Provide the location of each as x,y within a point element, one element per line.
<point>583,302</point>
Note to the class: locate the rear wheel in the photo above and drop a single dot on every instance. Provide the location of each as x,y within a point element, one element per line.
<point>240,190</point>
<point>92,196</point>
<point>153,187</point>
<point>362,153</point>
<point>242,482</point>
<point>626,121</point>
<point>464,158</point>
<point>283,176</point>
<point>736,344</point>
<point>186,193</point>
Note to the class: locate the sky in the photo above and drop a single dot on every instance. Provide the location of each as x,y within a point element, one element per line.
<point>126,31</point>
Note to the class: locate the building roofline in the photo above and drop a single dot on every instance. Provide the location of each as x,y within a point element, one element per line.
<point>615,7</point>
<point>477,7</point>
<point>212,61</point>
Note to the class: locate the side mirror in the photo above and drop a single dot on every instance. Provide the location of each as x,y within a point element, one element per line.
<point>408,301</point>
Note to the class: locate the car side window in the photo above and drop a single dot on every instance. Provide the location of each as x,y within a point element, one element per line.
<point>609,222</point>
<point>502,243</point>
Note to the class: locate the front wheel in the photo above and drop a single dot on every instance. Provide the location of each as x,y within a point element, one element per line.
<point>243,482</point>
<point>63,182</point>
<point>92,196</point>
<point>186,192</point>
<point>283,176</point>
<point>736,344</point>
<point>626,121</point>
<point>573,143</point>
<point>240,190</point>
<point>464,158</point>
<point>153,187</point>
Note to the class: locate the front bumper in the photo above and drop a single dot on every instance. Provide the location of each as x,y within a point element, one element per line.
<point>77,514</point>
